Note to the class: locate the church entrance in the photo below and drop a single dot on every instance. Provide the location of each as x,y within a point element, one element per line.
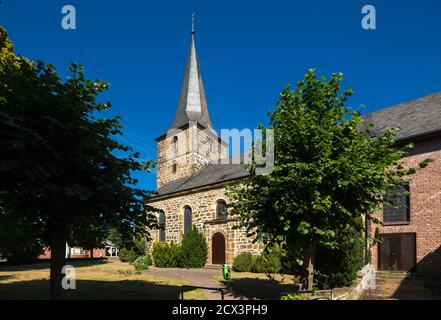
<point>218,248</point>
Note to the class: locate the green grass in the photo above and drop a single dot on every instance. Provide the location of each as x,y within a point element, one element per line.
<point>96,279</point>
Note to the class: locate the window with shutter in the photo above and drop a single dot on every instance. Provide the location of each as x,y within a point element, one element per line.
<point>187,219</point>
<point>161,223</point>
<point>396,208</point>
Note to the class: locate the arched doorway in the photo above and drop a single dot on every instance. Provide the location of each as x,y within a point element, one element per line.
<point>218,248</point>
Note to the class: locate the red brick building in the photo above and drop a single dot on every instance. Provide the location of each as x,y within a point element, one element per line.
<point>411,231</point>
<point>77,253</point>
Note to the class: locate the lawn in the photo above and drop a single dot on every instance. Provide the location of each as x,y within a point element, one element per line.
<point>247,285</point>
<point>96,279</point>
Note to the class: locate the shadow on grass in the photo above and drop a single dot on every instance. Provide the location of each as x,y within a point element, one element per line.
<point>92,290</point>
<point>45,264</point>
<point>255,288</point>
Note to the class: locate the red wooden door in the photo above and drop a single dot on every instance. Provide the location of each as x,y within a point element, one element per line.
<point>218,248</point>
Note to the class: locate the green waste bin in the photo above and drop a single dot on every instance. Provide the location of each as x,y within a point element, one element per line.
<point>226,272</point>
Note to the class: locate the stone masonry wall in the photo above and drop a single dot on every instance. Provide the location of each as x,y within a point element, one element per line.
<point>203,205</point>
<point>195,148</point>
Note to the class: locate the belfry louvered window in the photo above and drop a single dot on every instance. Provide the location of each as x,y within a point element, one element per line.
<point>187,219</point>
<point>396,208</point>
<point>161,223</point>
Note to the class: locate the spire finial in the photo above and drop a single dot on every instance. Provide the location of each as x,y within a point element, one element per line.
<point>192,23</point>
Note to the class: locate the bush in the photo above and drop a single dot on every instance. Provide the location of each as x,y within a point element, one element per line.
<point>149,259</point>
<point>268,263</point>
<point>243,262</point>
<point>126,255</point>
<point>142,263</point>
<point>338,267</point>
<point>292,296</point>
<point>139,246</point>
<point>193,250</point>
<point>165,255</point>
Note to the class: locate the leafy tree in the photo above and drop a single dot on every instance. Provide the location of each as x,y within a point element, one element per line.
<point>61,169</point>
<point>116,238</point>
<point>327,173</point>
<point>18,242</point>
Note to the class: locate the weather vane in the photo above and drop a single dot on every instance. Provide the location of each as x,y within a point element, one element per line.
<point>192,22</point>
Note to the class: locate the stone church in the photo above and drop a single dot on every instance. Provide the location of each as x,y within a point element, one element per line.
<point>191,178</point>
<point>191,183</point>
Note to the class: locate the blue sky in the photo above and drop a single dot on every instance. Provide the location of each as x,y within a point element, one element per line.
<point>248,50</point>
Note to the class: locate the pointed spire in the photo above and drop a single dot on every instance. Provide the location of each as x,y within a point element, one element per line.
<point>192,104</point>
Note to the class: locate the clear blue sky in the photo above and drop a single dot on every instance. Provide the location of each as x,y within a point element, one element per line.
<point>248,51</point>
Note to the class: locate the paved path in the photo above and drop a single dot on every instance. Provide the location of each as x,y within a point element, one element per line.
<point>203,277</point>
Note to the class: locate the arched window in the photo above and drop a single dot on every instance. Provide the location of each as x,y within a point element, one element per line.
<point>174,167</point>
<point>161,225</point>
<point>175,145</point>
<point>188,217</point>
<point>221,209</point>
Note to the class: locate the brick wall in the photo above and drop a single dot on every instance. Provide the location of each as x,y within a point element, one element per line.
<point>425,209</point>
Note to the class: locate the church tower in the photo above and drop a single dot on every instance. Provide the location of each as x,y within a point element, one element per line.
<point>190,142</point>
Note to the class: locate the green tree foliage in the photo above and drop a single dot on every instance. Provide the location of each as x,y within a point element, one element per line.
<point>62,168</point>
<point>116,238</point>
<point>193,250</point>
<point>18,243</point>
<point>327,173</point>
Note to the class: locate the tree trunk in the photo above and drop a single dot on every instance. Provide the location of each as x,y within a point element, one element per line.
<point>58,260</point>
<point>91,253</point>
<point>307,279</point>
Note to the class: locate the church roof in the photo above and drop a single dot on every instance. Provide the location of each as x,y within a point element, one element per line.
<point>208,175</point>
<point>192,105</point>
<point>415,118</point>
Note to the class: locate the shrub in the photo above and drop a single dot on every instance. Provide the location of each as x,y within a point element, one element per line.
<point>243,262</point>
<point>338,267</point>
<point>139,246</point>
<point>165,255</point>
<point>126,255</point>
<point>268,263</point>
<point>193,250</point>
<point>149,259</point>
<point>142,262</point>
<point>292,296</point>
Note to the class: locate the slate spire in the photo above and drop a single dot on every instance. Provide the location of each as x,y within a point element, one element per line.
<point>192,105</point>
